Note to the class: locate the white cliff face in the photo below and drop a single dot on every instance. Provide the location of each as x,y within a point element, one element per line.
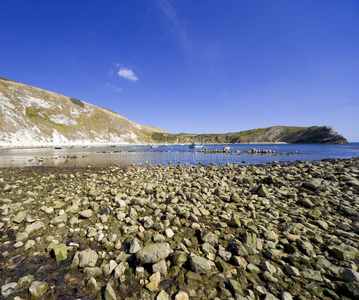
<point>34,117</point>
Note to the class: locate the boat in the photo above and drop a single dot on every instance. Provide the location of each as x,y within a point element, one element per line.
<point>195,145</point>
<point>226,148</point>
<point>153,146</point>
<point>58,148</point>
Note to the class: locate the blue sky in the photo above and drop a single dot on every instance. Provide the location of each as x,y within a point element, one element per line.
<point>199,66</point>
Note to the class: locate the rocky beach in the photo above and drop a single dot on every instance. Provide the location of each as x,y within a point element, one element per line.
<point>273,231</point>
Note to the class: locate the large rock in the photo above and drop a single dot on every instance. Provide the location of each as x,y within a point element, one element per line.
<point>135,246</point>
<point>59,219</point>
<point>181,296</point>
<point>38,288</point>
<point>20,217</point>
<point>199,265</point>
<point>209,237</point>
<point>25,282</point>
<point>34,227</point>
<point>151,254</point>
<point>235,221</point>
<point>8,289</point>
<point>87,258</point>
<point>109,293</point>
<point>60,252</point>
<point>349,275</point>
<point>235,286</point>
<point>87,213</point>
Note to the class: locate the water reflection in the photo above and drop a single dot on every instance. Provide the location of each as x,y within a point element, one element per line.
<point>126,155</point>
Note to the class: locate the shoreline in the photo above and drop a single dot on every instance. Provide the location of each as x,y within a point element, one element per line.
<point>213,232</point>
<point>79,146</point>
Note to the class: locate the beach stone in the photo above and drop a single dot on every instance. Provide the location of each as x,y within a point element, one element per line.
<point>312,275</point>
<point>323,262</point>
<point>305,202</point>
<point>37,225</point>
<point>18,244</point>
<point>139,201</point>
<point>252,268</point>
<point>349,275</point>
<point>132,213</point>
<point>38,288</point>
<point>147,222</point>
<point>267,266</point>
<point>160,267</point>
<point>92,272</point>
<point>179,258</point>
<point>59,219</point>
<point>8,289</point>
<point>158,238</point>
<point>29,244</point>
<point>344,252</point>
<point>270,296</point>
<point>20,217</point>
<point>22,236</point>
<point>250,239</point>
<point>121,269</point>
<point>181,296</point>
<point>240,261</point>
<point>209,237</point>
<point>193,280</point>
<point>235,221</point>
<point>235,286</point>
<point>162,295</point>
<point>208,248</point>
<point>135,246</point>
<point>75,260</point>
<point>92,284</point>
<point>270,235</point>
<point>109,267</point>
<point>154,283</point>
<point>285,296</point>
<point>7,188</point>
<point>87,258</point>
<point>109,293</point>
<point>60,252</point>
<point>269,277</point>
<point>225,255</point>
<point>199,265</point>
<point>262,191</point>
<point>235,197</point>
<point>73,209</point>
<point>305,247</point>
<point>25,282</point>
<point>85,214</point>
<point>292,271</point>
<point>169,233</point>
<point>153,253</point>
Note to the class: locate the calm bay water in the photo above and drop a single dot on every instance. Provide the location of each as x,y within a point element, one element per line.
<point>177,154</point>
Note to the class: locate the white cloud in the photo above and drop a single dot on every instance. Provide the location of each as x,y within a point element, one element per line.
<point>170,12</point>
<point>128,74</point>
<point>114,88</point>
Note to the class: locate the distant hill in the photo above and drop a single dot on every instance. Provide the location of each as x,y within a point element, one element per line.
<point>32,116</point>
<point>274,134</point>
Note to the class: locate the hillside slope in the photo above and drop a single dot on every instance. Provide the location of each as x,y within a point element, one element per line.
<point>274,134</point>
<point>31,116</point>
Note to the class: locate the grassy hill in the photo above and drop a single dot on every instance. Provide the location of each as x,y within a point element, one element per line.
<point>274,134</point>
<point>31,116</point>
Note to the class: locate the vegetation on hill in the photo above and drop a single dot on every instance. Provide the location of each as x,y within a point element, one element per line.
<point>274,134</point>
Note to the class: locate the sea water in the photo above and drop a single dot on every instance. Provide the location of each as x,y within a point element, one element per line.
<point>176,154</point>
